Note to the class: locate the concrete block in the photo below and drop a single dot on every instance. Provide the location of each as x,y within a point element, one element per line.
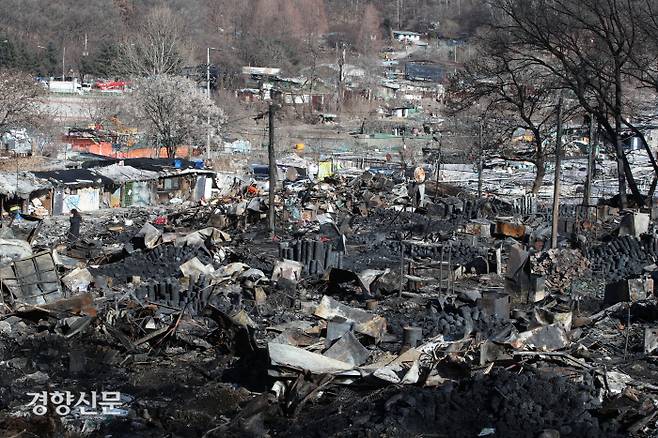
<point>537,291</point>
<point>650,340</point>
<point>518,257</point>
<point>634,224</point>
<point>495,304</point>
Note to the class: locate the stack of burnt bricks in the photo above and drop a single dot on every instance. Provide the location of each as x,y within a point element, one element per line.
<point>315,255</point>
<point>169,292</point>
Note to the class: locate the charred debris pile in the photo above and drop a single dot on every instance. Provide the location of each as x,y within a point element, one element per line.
<point>378,307</point>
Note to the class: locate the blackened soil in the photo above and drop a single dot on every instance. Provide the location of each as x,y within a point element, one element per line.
<point>513,405</point>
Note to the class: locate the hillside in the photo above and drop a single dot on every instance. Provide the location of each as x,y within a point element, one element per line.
<point>37,36</point>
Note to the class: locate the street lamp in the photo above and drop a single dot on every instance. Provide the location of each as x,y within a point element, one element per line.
<point>208,94</point>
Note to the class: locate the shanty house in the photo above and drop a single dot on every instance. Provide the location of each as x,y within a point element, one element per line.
<point>23,189</point>
<point>132,186</point>
<point>405,36</point>
<point>79,189</point>
<point>402,111</point>
<point>177,179</point>
<point>156,180</point>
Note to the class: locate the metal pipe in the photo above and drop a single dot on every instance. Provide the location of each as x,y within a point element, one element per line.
<point>412,336</point>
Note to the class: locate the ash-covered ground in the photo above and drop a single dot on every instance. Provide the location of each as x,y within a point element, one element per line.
<point>362,315</point>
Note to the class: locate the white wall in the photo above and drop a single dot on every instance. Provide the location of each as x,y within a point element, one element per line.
<point>87,199</point>
<point>408,38</point>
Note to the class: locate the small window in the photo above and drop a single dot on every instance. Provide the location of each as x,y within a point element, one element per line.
<point>170,184</point>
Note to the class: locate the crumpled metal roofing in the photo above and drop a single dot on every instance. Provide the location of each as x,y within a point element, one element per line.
<point>23,185</point>
<point>122,174</point>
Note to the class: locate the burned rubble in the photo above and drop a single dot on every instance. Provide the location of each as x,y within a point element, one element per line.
<point>371,311</point>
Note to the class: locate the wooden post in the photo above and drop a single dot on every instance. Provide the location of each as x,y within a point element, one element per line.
<point>587,195</point>
<point>441,268</point>
<point>341,78</point>
<point>438,170</point>
<point>272,168</point>
<point>480,163</point>
<point>451,272</point>
<point>401,267</point>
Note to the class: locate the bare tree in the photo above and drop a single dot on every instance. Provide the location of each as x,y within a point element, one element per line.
<point>369,35</point>
<point>587,45</point>
<point>155,47</point>
<point>20,101</point>
<point>520,94</point>
<point>289,17</point>
<point>316,23</point>
<point>102,109</point>
<point>644,59</point>
<point>174,111</point>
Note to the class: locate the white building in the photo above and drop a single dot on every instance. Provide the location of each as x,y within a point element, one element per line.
<point>58,86</point>
<point>404,36</point>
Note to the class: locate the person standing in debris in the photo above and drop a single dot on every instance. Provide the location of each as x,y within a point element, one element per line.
<point>74,229</point>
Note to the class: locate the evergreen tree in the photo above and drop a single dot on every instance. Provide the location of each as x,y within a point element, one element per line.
<point>7,53</point>
<point>49,61</point>
<point>27,59</point>
<point>101,62</point>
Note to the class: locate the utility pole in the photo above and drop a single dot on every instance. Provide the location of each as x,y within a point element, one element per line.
<point>208,72</point>
<point>556,184</point>
<point>63,68</point>
<point>399,27</point>
<point>341,78</point>
<point>438,168</point>
<point>208,94</point>
<point>480,162</point>
<point>272,168</point>
<point>587,195</point>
